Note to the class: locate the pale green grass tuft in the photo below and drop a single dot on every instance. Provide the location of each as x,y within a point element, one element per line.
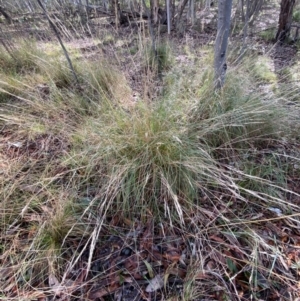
<point>103,82</point>
<point>263,70</point>
<point>268,34</point>
<point>160,59</point>
<point>21,59</point>
<point>148,160</point>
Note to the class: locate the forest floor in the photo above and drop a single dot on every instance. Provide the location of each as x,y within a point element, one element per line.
<point>134,185</point>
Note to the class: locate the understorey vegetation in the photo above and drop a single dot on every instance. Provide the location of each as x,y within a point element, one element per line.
<point>140,181</point>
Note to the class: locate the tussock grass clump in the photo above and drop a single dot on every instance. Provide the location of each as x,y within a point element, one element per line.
<point>22,58</point>
<point>236,116</point>
<point>264,70</point>
<point>58,73</point>
<point>10,88</point>
<point>62,222</point>
<point>160,59</point>
<point>164,154</point>
<point>199,169</point>
<point>104,81</point>
<point>147,160</point>
<point>239,113</point>
<point>268,34</point>
<point>236,124</point>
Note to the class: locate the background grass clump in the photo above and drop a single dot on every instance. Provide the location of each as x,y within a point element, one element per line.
<point>159,59</point>
<point>268,34</point>
<point>22,58</point>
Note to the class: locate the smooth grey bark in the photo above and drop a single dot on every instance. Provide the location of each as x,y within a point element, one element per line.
<point>168,16</point>
<point>221,43</point>
<point>193,12</point>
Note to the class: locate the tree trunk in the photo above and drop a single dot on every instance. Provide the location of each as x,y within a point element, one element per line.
<point>154,6</point>
<point>117,12</point>
<point>5,15</point>
<point>285,20</point>
<point>181,9</point>
<point>193,12</point>
<point>220,66</point>
<point>245,31</point>
<point>168,16</point>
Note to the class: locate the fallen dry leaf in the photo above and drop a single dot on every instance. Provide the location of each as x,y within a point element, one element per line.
<point>155,284</point>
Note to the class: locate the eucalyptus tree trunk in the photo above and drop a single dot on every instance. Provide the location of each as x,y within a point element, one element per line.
<point>220,66</point>
<point>154,5</point>
<point>246,25</point>
<point>254,9</point>
<point>182,5</point>
<point>114,8</point>
<point>245,30</point>
<point>285,19</point>
<point>191,11</point>
<point>168,16</point>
